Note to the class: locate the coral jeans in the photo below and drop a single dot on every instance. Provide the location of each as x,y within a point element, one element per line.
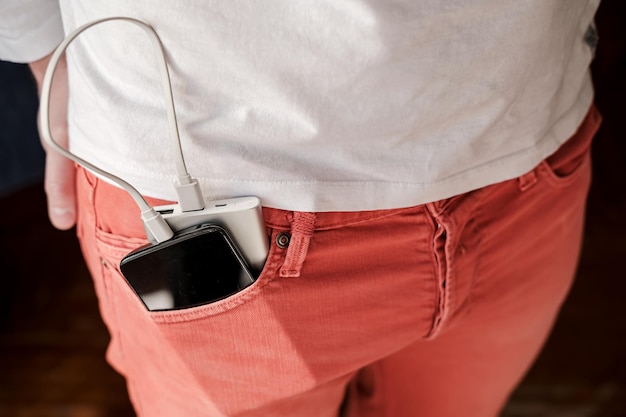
<point>434,310</point>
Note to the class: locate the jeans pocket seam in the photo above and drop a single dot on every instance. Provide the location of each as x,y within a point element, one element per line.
<point>556,181</point>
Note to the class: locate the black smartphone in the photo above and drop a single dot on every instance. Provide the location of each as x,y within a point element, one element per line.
<point>197,266</point>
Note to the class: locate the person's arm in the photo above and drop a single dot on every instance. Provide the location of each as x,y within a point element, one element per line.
<point>60,174</point>
<point>29,32</point>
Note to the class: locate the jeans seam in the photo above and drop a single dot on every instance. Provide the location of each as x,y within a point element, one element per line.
<point>439,255</point>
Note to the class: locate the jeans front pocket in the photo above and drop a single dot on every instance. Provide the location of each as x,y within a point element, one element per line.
<point>572,159</point>
<point>210,354</point>
<point>112,248</point>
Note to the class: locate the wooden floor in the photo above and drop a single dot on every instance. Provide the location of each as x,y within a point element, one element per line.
<point>52,341</point>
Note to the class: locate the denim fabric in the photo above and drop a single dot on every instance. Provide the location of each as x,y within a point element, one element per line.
<point>433,310</point>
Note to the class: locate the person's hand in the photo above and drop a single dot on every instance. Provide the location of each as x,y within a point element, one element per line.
<point>60,173</point>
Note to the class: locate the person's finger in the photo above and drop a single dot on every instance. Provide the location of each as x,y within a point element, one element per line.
<point>60,189</point>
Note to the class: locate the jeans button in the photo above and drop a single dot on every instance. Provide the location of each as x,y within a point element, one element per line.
<point>282,240</point>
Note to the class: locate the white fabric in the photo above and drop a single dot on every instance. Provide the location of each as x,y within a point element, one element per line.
<point>29,29</point>
<point>331,105</point>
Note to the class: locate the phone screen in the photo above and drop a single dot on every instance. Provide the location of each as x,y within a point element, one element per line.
<point>197,266</point>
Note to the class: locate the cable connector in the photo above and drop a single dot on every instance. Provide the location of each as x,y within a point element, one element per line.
<point>189,194</point>
<point>156,227</point>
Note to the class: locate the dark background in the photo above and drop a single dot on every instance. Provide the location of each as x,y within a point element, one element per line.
<point>52,340</point>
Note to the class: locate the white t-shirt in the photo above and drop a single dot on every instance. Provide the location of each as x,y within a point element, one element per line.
<point>326,105</point>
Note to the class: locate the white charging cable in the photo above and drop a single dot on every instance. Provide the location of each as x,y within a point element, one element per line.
<point>187,188</point>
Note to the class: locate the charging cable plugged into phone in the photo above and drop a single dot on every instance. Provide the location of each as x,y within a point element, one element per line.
<point>200,251</point>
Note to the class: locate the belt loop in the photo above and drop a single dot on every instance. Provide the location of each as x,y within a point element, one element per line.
<point>527,180</point>
<point>302,229</point>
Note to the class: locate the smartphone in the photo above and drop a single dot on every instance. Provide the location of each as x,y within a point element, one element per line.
<point>199,265</point>
<point>241,216</point>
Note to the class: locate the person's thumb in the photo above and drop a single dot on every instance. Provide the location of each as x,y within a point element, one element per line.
<point>60,187</point>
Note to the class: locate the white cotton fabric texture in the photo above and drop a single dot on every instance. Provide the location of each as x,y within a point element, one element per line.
<point>330,105</point>
<point>29,29</point>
